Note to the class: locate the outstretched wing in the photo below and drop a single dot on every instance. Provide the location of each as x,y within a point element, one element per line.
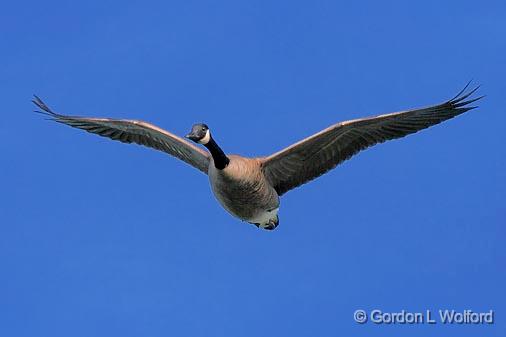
<point>317,154</point>
<point>132,131</point>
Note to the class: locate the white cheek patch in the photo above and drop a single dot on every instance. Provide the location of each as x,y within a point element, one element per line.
<point>206,138</point>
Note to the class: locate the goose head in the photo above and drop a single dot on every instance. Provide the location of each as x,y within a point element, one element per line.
<point>199,134</point>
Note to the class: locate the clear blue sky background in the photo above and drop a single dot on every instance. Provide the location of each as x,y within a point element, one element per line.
<point>99,238</point>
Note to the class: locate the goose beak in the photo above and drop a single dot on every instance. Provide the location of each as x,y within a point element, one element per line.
<point>192,137</point>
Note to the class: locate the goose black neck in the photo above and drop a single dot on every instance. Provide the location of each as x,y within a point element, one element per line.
<point>220,158</point>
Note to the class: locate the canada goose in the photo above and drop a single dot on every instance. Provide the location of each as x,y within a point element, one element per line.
<point>249,188</point>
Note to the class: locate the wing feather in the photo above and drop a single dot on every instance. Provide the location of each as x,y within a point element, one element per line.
<point>134,131</point>
<point>321,152</point>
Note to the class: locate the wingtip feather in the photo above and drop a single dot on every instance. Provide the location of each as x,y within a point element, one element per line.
<point>45,109</point>
<point>460,102</point>
<point>462,91</point>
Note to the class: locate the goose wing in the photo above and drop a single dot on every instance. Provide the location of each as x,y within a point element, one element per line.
<point>132,131</point>
<point>317,154</point>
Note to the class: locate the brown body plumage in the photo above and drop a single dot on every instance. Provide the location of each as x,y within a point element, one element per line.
<point>241,188</point>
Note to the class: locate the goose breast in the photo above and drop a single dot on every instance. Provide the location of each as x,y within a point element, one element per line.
<point>241,188</point>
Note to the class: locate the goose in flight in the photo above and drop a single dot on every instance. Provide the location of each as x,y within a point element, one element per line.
<point>249,188</point>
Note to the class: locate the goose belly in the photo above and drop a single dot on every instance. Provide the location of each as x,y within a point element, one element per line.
<point>265,217</point>
<point>254,202</point>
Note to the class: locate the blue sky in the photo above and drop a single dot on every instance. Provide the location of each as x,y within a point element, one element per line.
<point>99,238</point>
